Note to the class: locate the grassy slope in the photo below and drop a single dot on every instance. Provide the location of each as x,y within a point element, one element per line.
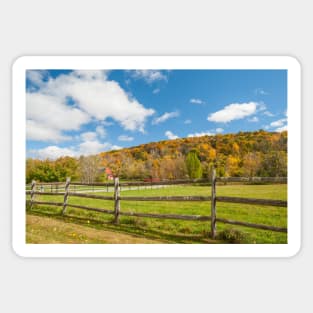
<point>41,229</point>
<point>185,231</point>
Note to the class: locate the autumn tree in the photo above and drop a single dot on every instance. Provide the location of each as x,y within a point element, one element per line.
<point>66,167</point>
<point>258,153</point>
<point>232,166</point>
<point>40,170</point>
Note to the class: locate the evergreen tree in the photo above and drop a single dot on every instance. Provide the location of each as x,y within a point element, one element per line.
<point>193,164</point>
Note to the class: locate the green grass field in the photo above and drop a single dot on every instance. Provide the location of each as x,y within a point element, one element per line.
<point>149,230</point>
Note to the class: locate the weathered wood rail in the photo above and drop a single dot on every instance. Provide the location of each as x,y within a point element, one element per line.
<point>117,198</point>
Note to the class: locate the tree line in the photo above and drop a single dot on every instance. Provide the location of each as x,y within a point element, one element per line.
<point>249,154</point>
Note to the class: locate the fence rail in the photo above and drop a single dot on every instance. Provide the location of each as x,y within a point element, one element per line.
<point>117,200</point>
<point>282,180</point>
<point>269,202</point>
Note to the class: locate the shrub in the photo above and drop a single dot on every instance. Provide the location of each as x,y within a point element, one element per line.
<point>232,235</point>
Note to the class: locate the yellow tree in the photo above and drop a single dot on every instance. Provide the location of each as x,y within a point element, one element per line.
<point>232,166</point>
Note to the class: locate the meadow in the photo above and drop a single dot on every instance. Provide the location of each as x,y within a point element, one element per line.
<point>46,225</point>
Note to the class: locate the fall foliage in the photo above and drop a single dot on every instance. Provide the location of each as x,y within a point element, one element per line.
<point>258,153</point>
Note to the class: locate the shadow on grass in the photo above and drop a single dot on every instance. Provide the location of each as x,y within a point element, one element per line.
<point>126,227</point>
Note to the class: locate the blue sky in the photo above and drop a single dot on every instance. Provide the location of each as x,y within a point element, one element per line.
<point>85,112</point>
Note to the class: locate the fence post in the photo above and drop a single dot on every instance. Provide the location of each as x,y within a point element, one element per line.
<point>32,193</point>
<point>116,200</point>
<point>213,204</point>
<point>67,185</point>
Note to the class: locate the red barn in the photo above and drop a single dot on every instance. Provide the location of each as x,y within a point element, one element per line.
<point>108,173</point>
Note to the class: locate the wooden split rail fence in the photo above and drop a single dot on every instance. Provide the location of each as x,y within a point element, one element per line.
<point>117,198</point>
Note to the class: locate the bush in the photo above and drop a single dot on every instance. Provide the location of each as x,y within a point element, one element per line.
<point>232,235</point>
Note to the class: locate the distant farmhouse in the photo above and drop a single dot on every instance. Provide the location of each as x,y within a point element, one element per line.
<point>109,174</point>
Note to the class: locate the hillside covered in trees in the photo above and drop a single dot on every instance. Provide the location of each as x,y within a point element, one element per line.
<point>257,153</point>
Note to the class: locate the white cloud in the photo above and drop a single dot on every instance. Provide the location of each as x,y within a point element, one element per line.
<point>201,134</point>
<point>103,99</point>
<point>92,147</point>
<point>196,101</point>
<point>278,123</point>
<point>52,112</point>
<point>93,96</point>
<point>261,106</point>
<point>170,135</point>
<point>91,74</point>
<point>148,76</point>
<point>219,130</point>
<point>89,147</point>
<point>253,119</point>
<point>36,77</point>
<point>125,138</point>
<point>155,91</point>
<point>40,132</point>
<point>233,111</point>
<point>52,152</point>
<point>268,113</point>
<point>88,136</point>
<point>115,147</point>
<point>165,117</point>
<point>187,122</point>
<point>100,131</point>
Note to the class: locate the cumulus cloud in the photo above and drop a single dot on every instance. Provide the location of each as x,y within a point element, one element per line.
<point>36,77</point>
<point>170,135</point>
<point>40,132</point>
<point>201,134</point>
<point>165,117</point>
<point>89,147</point>
<point>88,136</point>
<point>196,101</point>
<point>268,113</point>
<point>155,91</point>
<point>233,111</point>
<point>219,130</point>
<point>149,76</point>
<point>52,152</point>
<point>92,97</point>
<point>52,112</point>
<point>187,122</point>
<point>92,147</point>
<point>125,138</point>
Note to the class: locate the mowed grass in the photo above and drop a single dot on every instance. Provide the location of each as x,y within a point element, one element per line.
<point>177,231</point>
<point>42,229</point>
